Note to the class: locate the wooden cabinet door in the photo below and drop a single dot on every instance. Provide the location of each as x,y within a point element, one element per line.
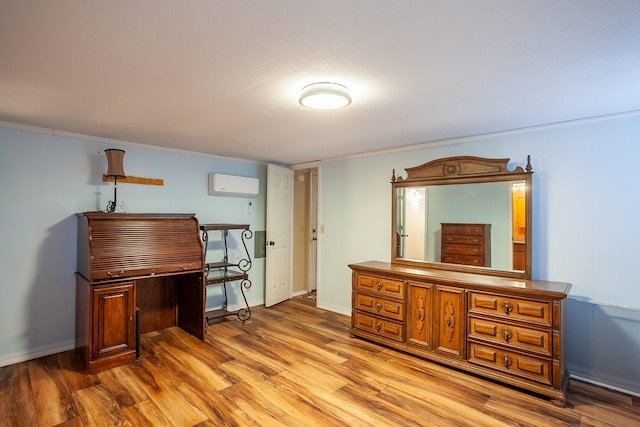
<point>450,320</point>
<point>113,323</point>
<point>420,313</point>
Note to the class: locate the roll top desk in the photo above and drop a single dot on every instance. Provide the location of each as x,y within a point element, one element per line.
<point>136,273</point>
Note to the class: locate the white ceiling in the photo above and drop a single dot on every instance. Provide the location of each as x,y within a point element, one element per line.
<point>223,76</point>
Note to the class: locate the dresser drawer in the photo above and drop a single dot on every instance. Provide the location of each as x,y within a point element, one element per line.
<point>392,309</point>
<point>468,229</point>
<point>462,249</point>
<point>501,333</point>
<point>533,368</point>
<point>462,239</point>
<point>385,286</point>
<point>539,312</point>
<point>464,259</point>
<point>382,327</point>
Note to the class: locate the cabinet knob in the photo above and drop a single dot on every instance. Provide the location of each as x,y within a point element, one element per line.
<point>506,334</point>
<point>378,305</point>
<point>378,326</point>
<point>379,285</point>
<point>130,318</point>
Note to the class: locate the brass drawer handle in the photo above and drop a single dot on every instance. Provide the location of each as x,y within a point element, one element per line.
<point>183,267</point>
<point>378,326</point>
<point>506,360</point>
<point>110,274</point>
<point>378,305</point>
<point>507,307</point>
<point>506,334</point>
<point>379,286</point>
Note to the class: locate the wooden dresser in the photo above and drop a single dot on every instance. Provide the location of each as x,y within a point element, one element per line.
<point>136,273</point>
<point>509,330</point>
<point>467,244</point>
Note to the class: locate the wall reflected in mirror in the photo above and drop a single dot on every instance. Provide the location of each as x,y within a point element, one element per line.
<point>499,207</point>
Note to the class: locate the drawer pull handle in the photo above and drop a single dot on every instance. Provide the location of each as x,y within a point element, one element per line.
<point>110,274</point>
<point>379,285</point>
<point>507,361</point>
<point>378,305</point>
<point>378,326</point>
<point>419,314</point>
<point>506,334</point>
<point>507,307</point>
<point>183,267</point>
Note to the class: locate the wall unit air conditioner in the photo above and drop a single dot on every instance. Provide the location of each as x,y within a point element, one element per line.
<point>232,185</point>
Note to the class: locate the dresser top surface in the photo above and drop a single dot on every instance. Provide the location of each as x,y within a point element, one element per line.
<point>481,281</point>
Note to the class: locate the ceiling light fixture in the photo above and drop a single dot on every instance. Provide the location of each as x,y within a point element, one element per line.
<point>325,96</point>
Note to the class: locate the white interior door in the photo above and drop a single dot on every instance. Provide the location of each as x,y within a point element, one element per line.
<point>279,275</point>
<point>313,223</point>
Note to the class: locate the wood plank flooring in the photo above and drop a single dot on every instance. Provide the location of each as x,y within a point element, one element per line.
<point>290,365</point>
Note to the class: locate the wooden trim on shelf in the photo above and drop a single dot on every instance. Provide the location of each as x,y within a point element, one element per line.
<point>135,180</point>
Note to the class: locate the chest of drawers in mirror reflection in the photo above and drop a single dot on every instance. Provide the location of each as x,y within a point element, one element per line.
<point>467,244</point>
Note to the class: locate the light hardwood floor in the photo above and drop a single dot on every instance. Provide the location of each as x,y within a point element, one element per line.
<point>290,365</point>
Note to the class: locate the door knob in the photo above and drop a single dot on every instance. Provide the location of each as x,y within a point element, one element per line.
<point>271,243</point>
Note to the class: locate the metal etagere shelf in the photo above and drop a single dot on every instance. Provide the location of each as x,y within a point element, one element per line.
<point>226,271</point>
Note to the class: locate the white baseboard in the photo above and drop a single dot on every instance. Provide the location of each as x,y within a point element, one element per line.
<point>12,359</point>
<point>339,310</point>
<point>297,294</point>
<point>604,384</point>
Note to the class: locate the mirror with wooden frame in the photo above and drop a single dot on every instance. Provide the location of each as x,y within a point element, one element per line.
<point>468,214</point>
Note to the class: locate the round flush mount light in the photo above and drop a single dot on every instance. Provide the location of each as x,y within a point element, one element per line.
<point>325,96</point>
